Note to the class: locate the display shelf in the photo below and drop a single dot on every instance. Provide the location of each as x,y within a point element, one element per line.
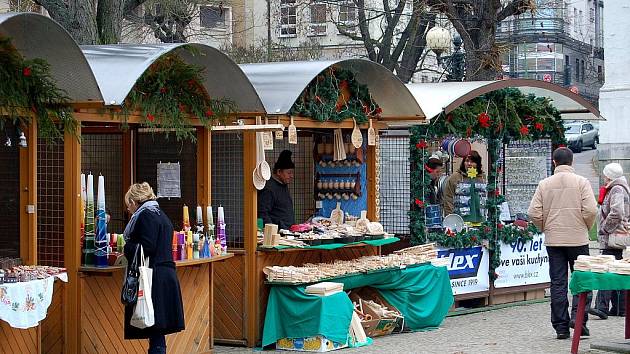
<point>331,246</point>
<point>185,263</point>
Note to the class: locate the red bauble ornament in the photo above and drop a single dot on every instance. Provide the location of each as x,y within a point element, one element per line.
<point>524,130</point>
<point>26,71</point>
<point>473,239</point>
<point>150,117</point>
<point>449,118</point>
<point>422,144</point>
<point>539,126</point>
<point>209,112</point>
<point>484,120</point>
<point>419,203</point>
<point>379,110</point>
<point>163,89</point>
<point>500,226</point>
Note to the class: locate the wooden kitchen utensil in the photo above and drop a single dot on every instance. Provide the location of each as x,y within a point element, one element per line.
<point>292,133</point>
<point>371,135</point>
<point>357,137</point>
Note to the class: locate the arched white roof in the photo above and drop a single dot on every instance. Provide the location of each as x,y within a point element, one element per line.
<point>37,36</point>
<point>118,67</point>
<point>280,84</point>
<point>435,98</point>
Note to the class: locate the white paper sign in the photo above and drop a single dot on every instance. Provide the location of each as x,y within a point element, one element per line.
<point>168,180</point>
<point>523,263</point>
<point>467,269</point>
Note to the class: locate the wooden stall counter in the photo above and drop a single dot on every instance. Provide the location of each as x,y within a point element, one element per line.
<point>102,313</point>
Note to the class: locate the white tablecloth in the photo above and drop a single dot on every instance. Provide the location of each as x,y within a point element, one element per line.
<point>24,304</point>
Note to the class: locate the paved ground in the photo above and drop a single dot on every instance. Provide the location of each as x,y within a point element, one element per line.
<point>513,329</point>
<point>583,163</point>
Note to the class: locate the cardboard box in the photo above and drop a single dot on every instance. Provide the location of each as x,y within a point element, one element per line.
<point>316,344</point>
<point>377,326</point>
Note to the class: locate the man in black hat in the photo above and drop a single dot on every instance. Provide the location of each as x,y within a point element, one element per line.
<point>275,205</point>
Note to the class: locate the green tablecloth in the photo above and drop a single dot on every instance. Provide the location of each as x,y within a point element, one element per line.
<point>332,246</point>
<point>422,294</point>
<point>587,281</point>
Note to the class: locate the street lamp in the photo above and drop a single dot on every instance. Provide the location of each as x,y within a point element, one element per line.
<point>439,40</point>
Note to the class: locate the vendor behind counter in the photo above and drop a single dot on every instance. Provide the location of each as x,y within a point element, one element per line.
<point>275,205</point>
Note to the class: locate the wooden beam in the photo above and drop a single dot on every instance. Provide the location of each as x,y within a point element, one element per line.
<point>241,128</point>
<point>250,212</point>
<point>72,250</point>
<point>28,196</point>
<point>204,186</point>
<point>372,163</point>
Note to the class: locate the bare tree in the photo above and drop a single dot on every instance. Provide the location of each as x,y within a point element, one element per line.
<point>91,21</point>
<point>476,23</point>
<point>165,20</point>
<point>258,53</point>
<point>399,43</point>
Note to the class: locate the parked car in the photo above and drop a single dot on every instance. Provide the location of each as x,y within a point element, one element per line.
<point>581,134</point>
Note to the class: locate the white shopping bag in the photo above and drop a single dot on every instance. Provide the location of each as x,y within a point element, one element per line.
<point>143,315</point>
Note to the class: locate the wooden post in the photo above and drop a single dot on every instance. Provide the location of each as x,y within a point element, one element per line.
<point>204,198</point>
<point>28,196</point>
<point>250,212</point>
<point>204,163</point>
<point>372,161</point>
<point>72,251</point>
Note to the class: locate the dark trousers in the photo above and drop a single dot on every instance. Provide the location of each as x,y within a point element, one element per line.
<point>157,344</point>
<point>606,297</point>
<point>561,259</point>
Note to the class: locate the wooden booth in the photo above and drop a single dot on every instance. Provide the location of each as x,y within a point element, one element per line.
<point>241,295</point>
<point>123,145</point>
<point>513,163</point>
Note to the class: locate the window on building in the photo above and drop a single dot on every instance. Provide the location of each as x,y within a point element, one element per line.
<point>545,64</point>
<point>577,69</point>
<point>591,15</point>
<point>580,22</point>
<point>583,71</point>
<point>212,17</point>
<point>318,19</point>
<point>600,73</point>
<point>288,18</point>
<point>348,16</point>
<point>575,20</point>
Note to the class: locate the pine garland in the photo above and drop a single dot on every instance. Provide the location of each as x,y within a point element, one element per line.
<point>170,93</point>
<point>499,117</point>
<point>336,95</point>
<point>27,89</point>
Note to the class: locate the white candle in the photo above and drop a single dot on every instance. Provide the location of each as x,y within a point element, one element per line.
<point>90,189</point>
<point>199,215</point>
<point>100,198</point>
<point>220,215</point>
<point>83,188</point>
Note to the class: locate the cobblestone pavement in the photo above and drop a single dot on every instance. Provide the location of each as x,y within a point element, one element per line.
<point>514,329</point>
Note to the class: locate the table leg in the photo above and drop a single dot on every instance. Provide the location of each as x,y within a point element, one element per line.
<point>579,320</point>
<point>626,294</point>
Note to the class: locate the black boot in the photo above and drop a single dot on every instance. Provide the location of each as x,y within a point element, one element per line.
<point>599,313</point>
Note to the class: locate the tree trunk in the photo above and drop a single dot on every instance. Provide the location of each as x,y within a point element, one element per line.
<point>78,17</point>
<point>109,17</point>
<point>414,49</point>
<point>484,61</point>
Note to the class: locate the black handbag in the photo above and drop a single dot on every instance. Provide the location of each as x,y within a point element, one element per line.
<point>129,293</point>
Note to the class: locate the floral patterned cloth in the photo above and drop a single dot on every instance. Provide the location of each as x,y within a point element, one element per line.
<point>23,305</point>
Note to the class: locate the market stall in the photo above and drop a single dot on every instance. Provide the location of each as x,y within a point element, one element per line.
<point>36,91</point>
<point>515,125</point>
<point>336,173</point>
<point>119,127</point>
<point>170,98</point>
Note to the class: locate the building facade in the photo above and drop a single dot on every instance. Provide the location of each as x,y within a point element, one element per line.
<point>561,43</point>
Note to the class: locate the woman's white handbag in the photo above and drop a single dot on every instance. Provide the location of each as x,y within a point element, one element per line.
<point>143,315</point>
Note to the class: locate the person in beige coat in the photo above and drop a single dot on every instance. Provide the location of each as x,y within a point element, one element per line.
<point>564,208</point>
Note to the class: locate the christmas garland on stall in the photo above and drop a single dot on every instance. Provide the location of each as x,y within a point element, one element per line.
<point>170,94</point>
<point>499,117</point>
<point>28,90</point>
<point>336,95</point>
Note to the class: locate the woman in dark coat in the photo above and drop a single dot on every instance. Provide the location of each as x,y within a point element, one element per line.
<point>150,227</point>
